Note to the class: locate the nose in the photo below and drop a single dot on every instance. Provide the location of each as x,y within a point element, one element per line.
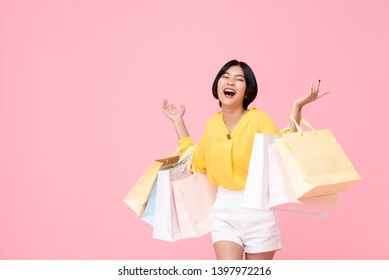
<point>230,82</point>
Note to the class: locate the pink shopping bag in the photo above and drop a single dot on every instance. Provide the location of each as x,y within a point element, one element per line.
<point>194,197</point>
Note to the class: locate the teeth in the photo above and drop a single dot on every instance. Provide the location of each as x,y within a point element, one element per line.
<point>229,92</point>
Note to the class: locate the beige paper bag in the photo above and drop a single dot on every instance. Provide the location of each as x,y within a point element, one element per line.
<point>139,194</point>
<point>315,163</point>
<point>282,197</point>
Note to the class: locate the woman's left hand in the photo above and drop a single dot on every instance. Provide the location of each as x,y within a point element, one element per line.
<point>313,95</point>
<point>299,103</point>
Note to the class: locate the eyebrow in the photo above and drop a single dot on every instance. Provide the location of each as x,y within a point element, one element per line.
<point>238,75</point>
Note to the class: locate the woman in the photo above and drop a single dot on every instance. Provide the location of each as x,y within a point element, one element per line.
<point>224,153</point>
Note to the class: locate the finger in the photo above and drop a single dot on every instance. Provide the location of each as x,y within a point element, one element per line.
<point>167,105</point>
<point>322,94</point>
<point>313,92</point>
<point>312,88</point>
<point>318,85</point>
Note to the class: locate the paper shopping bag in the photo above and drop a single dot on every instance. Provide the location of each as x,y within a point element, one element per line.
<point>282,197</point>
<point>315,163</point>
<point>194,197</point>
<point>256,192</point>
<point>139,194</point>
<point>175,174</point>
<point>166,225</point>
<point>148,215</point>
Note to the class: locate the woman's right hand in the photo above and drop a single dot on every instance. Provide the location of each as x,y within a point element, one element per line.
<point>172,112</point>
<point>176,115</point>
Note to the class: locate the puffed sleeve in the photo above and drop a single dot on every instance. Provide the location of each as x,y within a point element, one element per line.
<point>198,162</point>
<point>268,126</point>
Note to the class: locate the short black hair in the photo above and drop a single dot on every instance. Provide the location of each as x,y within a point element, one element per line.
<point>251,82</point>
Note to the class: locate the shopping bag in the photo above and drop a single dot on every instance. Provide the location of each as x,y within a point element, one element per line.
<point>139,194</point>
<point>165,226</point>
<point>256,193</point>
<point>315,162</point>
<point>194,197</point>
<point>175,174</point>
<point>148,215</point>
<point>282,197</point>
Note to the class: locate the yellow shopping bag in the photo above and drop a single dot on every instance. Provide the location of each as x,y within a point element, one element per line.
<point>282,197</point>
<point>139,194</point>
<point>315,162</point>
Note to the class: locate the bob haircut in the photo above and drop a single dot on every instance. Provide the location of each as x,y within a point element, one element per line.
<point>251,82</point>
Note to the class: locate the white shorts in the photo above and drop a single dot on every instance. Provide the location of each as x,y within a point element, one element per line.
<point>255,230</point>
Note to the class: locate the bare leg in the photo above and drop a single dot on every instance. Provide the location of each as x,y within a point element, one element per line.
<point>228,250</point>
<point>260,256</point>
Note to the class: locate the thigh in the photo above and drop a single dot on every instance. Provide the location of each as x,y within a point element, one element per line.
<point>260,232</point>
<point>228,250</point>
<point>260,256</point>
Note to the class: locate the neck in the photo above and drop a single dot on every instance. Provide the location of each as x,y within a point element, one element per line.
<point>231,116</point>
<point>233,113</point>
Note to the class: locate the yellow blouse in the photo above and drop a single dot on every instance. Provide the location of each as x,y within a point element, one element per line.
<point>225,156</point>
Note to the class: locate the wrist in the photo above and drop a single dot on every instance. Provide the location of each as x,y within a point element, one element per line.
<point>178,120</point>
<point>296,108</point>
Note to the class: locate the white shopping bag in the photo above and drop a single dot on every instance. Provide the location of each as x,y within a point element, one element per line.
<point>256,194</point>
<point>165,216</point>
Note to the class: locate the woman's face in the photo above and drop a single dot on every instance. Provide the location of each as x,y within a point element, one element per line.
<point>231,87</point>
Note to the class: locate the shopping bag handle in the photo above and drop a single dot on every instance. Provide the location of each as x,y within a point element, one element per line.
<point>186,158</point>
<point>304,121</point>
<point>177,151</point>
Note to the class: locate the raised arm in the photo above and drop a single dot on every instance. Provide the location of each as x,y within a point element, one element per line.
<point>299,103</point>
<point>176,115</point>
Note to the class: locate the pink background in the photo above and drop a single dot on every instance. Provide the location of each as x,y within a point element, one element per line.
<point>81,83</point>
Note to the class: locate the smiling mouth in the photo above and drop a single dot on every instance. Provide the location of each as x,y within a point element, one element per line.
<point>229,92</point>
